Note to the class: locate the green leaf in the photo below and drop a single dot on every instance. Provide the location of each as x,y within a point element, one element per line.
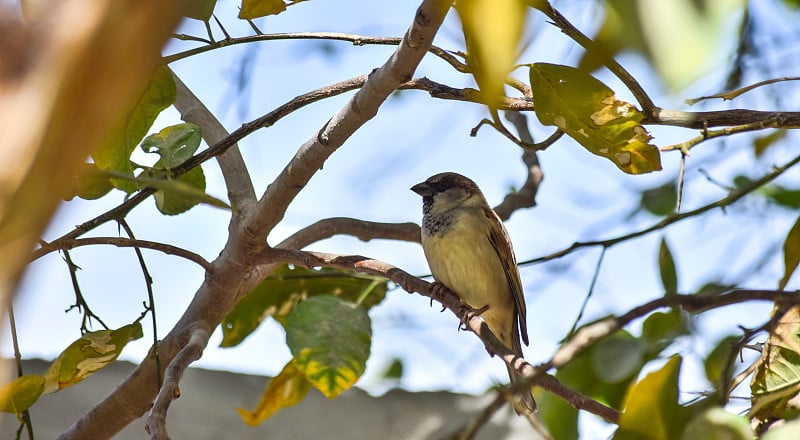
<point>666,267</point>
<point>90,184</point>
<point>201,9</point>
<point>716,423</point>
<point>777,376</point>
<point>661,328</point>
<point>278,294</point>
<point>175,144</point>
<point>560,418</point>
<point>718,363</point>
<point>286,389</point>
<point>395,370</point>
<point>91,352</point>
<point>789,198</point>
<point>791,253</point>
<point>587,110</point>
<point>260,8</point>
<point>617,358</point>
<point>181,194</point>
<point>492,30</point>
<point>660,200</point>
<point>21,394</point>
<point>760,144</point>
<point>114,153</point>
<point>651,407</point>
<point>788,431</point>
<point>330,342</point>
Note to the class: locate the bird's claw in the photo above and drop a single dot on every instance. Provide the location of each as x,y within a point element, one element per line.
<point>467,313</point>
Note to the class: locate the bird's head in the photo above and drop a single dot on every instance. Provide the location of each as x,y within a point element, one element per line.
<point>445,191</point>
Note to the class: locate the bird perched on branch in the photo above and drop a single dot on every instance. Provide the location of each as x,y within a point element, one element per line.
<point>469,251</point>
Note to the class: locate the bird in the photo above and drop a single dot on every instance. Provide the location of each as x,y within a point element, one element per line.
<point>469,252</point>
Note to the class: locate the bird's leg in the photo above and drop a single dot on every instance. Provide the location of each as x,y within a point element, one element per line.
<point>466,313</point>
<point>438,290</point>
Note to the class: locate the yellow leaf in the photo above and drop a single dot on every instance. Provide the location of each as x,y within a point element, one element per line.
<point>286,389</point>
<point>791,254</point>
<point>492,30</point>
<point>259,8</point>
<point>20,394</point>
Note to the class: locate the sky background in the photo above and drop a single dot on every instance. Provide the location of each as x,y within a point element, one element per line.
<point>583,197</point>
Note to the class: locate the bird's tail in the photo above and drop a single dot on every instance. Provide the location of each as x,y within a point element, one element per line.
<point>523,401</point>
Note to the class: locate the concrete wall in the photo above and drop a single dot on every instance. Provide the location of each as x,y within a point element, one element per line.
<point>208,402</point>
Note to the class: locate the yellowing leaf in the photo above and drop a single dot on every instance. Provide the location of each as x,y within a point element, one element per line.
<point>286,389</point>
<point>651,407</point>
<point>89,353</point>
<point>330,341</point>
<point>587,110</point>
<point>777,377</point>
<point>492,30</point>
<point>259,8</point>
<point>791,253</point>
<point>200,9</point>
<point>19,395</point>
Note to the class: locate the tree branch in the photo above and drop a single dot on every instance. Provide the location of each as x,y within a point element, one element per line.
<point>122,242</point>
<point>362,107</point>
<point>361,229</point>
<point>237,178</point>
<point>525,197</point>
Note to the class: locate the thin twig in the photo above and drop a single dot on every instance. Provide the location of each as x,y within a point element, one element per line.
<point>25,416</point>
<point>727,96</point>
<point>121,242</point>
<point>733,196</point>
<point>589,293</point>
<point>685,146</point>
<point>80,301</point>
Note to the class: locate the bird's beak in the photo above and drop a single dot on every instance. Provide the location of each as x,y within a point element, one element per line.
<point>422,189</point>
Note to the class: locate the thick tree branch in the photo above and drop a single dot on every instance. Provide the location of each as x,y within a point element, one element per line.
<point>525,197</point>
<point>237,179</point>
<point>362,107</point>
<point>361,229</point>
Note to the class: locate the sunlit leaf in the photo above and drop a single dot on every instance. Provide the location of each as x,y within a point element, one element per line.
<point>175,144</point>
<point>651,407</point>
<point>277,295</point>
<point>587,110</point>
<point>260,8</point>
<point>90,184</point>
<point>787,431</point>
<point>115,152</point>
<point>619,31</point>
<point>666,267</point>
<point>492,30</point>
<point>791,253</point>
<point>330,341</point>
<point>88,354</point>
<point>200,9</point>
<point>716,423</point>
<point>286,389</point>
<point>21,394</point>
<point>760,144</point>
<point>776,380</point>
<point>560,418</point>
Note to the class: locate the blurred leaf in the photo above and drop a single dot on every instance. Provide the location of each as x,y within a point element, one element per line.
<point>660,200</point>
<point>201,9</point>
<point>286,389</point>
<point>714,289</point>
<point>789,198</point>
<point>791,253</point>
<point>661,328</point>
<point>718,363</point>
<point>560,418</point>
<point>788,431</point>
<point>260,8</point>
<point>587,110</point>
<point>666,267</point>
<point>395,370</point>
<point>21,394</point>
<point>91,352</point>
<point>760,144</point>
<point>651,407</point>
<point>620,30</point>
<point>741,181</point>
<point>492,30</point>
<point>716,423</point>
<point>278,294</point>
<point>777,376</point>
<point>330,342</point>
<point>175,144</point>
<point>114,153</point>
<point>90,183</point>
<point>617,358</point>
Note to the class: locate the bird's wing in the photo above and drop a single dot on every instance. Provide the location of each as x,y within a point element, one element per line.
<point>501,242</point>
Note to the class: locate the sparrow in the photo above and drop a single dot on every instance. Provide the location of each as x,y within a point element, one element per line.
<point>469,251</point>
